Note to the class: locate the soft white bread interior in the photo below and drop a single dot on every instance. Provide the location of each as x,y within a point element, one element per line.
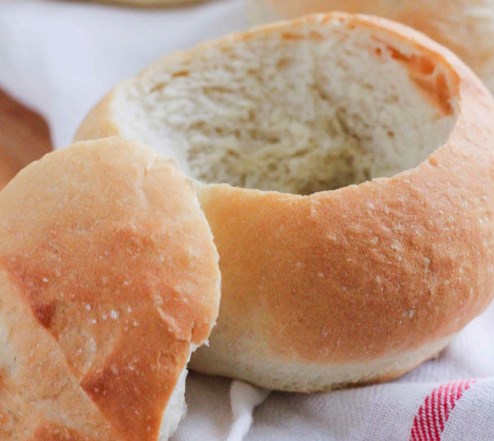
<point>175,409</point>
<point>109,278</point>
<point>465,26</point>
<point>343,163</point>
<point>289,112</point>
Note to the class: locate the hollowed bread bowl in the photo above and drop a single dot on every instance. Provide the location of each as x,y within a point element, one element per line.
<point>345,165</point>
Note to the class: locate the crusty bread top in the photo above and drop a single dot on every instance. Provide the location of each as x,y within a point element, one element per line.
<point>108,275</point>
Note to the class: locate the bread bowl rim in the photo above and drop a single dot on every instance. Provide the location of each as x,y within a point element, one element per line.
<point>107,126</point>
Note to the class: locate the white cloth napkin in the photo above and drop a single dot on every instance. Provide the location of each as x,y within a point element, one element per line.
<point>60,57</point>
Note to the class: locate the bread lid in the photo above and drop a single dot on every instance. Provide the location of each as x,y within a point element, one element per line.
<point>109,278</point>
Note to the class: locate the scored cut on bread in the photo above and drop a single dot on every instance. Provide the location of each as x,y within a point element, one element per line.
<point>466,27</point>
<point>109,279</point>
<point>344,164</point>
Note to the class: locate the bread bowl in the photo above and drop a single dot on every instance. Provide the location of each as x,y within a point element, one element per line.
<point>107,284</point>
<point>344,164</point>
<point>466,27</point>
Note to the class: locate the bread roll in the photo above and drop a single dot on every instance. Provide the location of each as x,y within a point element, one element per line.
<point>465,26</point>
<point>344,164</point>
<point>108,279</point>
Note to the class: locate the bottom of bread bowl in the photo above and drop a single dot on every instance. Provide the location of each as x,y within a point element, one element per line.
<point>314,377</point>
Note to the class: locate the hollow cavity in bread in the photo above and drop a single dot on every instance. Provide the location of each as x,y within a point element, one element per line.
<point>315,109</point>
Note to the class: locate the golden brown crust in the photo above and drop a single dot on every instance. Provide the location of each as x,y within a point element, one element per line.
<point>366,271</point>
<point>117,276</point>
<point>38,390</point>
<point>24,137</point>
<point>98,122</point>
<point>55,432</point>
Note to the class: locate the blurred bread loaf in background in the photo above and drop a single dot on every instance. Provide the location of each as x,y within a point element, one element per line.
<point>24,137</point>
<point>148,3</point>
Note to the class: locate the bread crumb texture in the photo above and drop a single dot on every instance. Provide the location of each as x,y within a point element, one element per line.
<point>315,108</point>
